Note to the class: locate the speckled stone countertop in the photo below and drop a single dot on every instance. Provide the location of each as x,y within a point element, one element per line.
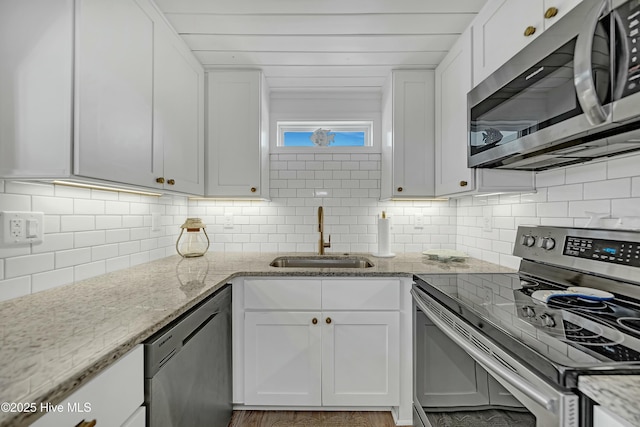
<point>618,393</point>
<point>54,341</point>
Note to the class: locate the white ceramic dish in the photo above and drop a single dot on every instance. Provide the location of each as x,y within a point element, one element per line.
<point>445,255</point>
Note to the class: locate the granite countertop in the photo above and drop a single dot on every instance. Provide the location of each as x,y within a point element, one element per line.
<point>618,393</point>
<point>54,341</point>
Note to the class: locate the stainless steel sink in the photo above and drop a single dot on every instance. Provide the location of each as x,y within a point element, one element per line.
<point>321,262</point>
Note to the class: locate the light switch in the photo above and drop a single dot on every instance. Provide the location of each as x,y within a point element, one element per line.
<point>19,228</point>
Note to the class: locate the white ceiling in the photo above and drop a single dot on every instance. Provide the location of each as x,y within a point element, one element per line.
<point>320,44</point>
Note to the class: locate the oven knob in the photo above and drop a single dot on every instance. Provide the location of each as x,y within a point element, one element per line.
<point>547,243</point>
<point>547,320</point>
<point>528,312</point>
<point>527,240</point>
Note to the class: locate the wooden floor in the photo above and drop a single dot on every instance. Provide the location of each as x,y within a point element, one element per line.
<point>311,419</point>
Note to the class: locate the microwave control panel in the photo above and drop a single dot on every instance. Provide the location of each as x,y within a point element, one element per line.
<point>629,14</point>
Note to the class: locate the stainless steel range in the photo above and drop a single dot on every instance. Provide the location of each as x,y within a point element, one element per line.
<point>519,342</point>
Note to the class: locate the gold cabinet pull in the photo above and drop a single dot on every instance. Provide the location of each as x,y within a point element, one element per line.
<point>171,182</point>
<point>463,183</point>
<point>551,12</point>
<point>400,189</point>
<point>254,189</point>
<point>314,321</point>
<point>328,320</point>
<point>160,180</point>
<point>84,423</point>
<point>529,31</point>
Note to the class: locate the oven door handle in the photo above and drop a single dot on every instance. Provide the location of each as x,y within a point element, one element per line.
<point>582,70</point>
<point>488,362</point>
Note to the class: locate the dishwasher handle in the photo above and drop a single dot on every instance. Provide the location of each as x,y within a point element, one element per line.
<point>488,362</point>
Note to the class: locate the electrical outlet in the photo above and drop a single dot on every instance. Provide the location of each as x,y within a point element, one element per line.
<point>418,221</point>
<point>487,218</point>
<point>21,227</point>
<point>228,220</point>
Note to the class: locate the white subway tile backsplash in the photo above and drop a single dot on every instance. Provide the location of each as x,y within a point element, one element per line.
<point>89,238</point>
<point>552,209</point>
<point>119,263</point>
<point>580,209</point>
<point>15,202</point>
<point>596,171</point>
<point>88,207</point>
<point>72,257</point>
<point>28,264</point>
<point>609,189</point>
<point>51,279</point>
<point>117,208</point>
<point>565,192</point>
<point>77,223</point>
<point>621,208</point>
<point>54,242</point>
<point>14,288</point>
<point>92,269</point>
<point>550,178</point>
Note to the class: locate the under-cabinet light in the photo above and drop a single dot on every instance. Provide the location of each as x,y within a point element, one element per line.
<point>421,199</point>
<point>105,188</point>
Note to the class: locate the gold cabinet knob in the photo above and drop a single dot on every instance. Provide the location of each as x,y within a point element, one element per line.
<point>463,183</point>
<point>254,189</point>
<point>160,180</point>
<point>328,320</point>
<point>314,321</point>
<point>171,182</point>
<point>551,12</point>
<point>400,189</point>
<point>529,31</point>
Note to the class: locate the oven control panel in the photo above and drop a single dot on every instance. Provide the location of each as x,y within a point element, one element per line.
<point>611,253</point>
<point>617,252</point>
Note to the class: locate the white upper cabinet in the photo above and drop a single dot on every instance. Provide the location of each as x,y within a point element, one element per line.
<point>237,134</point>
<point>503,27</point>
<point>453,82</point>
<point>36,47</point>
<point>130,112</point>
<point>178,113</point>
<point>408,135</point>
<point>114,92</point>
<point>453,177</point>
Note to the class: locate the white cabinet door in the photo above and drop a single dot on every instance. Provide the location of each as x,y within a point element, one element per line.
<point>36,47</point>
<point>413,94</point>
<point>562,6</point>
<point>453,82</point>
<point>360,358</point>
<point>178,113</point>
<point>110,398</point>
<point>446,376</point>
<point>235,139</point>
<point>499,33</point>
<point>114,92</point>
<point>282,357</point>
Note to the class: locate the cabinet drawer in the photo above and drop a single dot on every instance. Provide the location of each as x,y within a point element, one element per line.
<point>113,396</point>
<point>366,294</point>
<point>261,294</point>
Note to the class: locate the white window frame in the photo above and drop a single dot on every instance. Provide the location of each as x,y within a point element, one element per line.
<point>365,126</point>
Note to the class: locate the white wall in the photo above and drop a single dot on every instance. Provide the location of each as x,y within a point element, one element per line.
<point>87,233</point>
<point>564,197</point>
<point>288,223</point>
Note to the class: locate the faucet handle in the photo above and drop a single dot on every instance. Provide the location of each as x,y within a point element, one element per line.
<point>327,244</point>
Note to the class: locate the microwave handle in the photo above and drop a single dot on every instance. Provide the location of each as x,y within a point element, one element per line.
<point>582,72</point>
<point>622,56</point>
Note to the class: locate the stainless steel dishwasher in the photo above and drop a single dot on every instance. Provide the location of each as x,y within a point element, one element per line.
<point>188,367</point>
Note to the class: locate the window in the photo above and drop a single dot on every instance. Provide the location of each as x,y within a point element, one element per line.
<point>319,136</point>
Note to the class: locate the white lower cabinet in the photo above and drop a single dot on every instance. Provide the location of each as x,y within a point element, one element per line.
<point>360,358</point>
<point>282,358</point>
<point>113,398</point>
<point>328,353</point>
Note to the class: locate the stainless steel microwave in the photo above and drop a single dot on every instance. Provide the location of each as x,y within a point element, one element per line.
<point>571,95</point>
